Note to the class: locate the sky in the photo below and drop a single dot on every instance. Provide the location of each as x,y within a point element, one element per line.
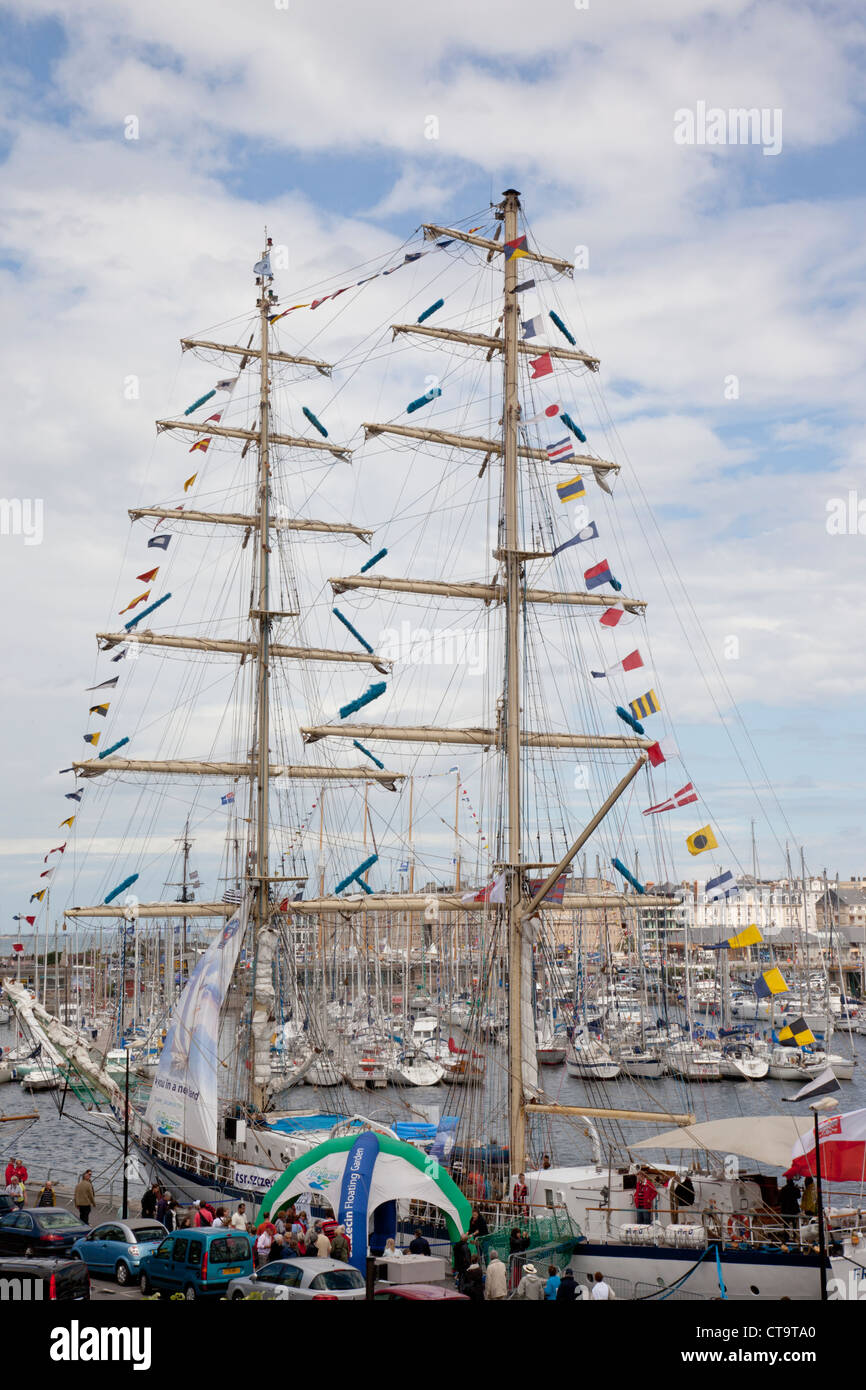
<point>721,284</point>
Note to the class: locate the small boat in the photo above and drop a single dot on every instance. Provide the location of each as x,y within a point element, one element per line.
<point>692,1062</point>
<point>642,1063</point>
<point>590,1061</point>
<point>739,1062</point>
<point>415,1069</point>
<point>41,1079</point>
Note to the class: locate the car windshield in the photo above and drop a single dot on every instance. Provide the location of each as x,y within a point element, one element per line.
<point>145,1231</point>
<point>58,1220</point>
<point>338,1280</point>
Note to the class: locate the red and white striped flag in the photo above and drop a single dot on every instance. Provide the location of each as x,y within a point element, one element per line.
<point>684,797</point>
<point>843,1149</point>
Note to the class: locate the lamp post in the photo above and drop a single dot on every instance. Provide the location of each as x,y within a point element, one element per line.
<point>825,1103</point>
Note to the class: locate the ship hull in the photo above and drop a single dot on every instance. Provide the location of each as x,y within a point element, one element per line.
<point>746,1274</point>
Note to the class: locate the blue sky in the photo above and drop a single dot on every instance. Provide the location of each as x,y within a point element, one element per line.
<point>704,263</point>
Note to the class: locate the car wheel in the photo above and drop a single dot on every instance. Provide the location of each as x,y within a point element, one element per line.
<point>121,1273</point>
<point>238,1297</point>
<point>145,1285</point>
<point>189,1293</point>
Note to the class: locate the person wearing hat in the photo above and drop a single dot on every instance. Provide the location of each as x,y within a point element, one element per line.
<point>84,1197</point>
<point>531,1285</point>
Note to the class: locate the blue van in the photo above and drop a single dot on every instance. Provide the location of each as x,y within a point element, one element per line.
<point>197,1262</point>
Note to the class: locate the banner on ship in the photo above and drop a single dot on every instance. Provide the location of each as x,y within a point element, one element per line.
<point>183,1102</point>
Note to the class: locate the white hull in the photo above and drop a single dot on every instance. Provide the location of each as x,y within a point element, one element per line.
<point>550,1056</point>
<point>746,1275</point>
<point>592,1071</point>
<point>420,1073</point>
<point>744,1068</point>
<point>643,1068</point>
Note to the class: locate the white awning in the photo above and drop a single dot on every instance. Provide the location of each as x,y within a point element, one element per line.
<point>767,1138</point>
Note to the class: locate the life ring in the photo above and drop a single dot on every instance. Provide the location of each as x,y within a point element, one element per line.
<point>739,1229</point>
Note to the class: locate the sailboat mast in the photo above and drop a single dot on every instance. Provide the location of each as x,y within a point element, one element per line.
<point>510,417</point>
<point>263,617</point>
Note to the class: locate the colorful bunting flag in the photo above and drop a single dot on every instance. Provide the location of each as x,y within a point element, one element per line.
<point>532,327</point>
<point>99,709</point>
<point>645,705</point>
<point>722,887</point>
<point>628,663</point>
<point>549,412</point>
<point>147,578</point>
<point>589,533</point>
<point>189,482</point>
<point>611,616</point>
<point>560,450</point>
<point>73,796</point>
<point>227,799</point>
<point>659,753</point>
<point>91,738</point>
<point>159,543</point>
<point>105,685</point>
<point>68,821</point>
<point>567,492</point>
<point>58,849</point>
<point>135,602</point>
<point>798,1034</point>
<point>515,250</point>
<point>597,575</point>
<point>684,797</point>
<point>37,897</point>
<point>523,286</point>
<point>226,384</point>
<point>701,840</point>
<point>770,983</point>
<point>749,936</point>
<point>541,366</point>
<point>201,444</point>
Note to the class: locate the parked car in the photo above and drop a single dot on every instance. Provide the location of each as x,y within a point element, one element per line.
<point>196,1262</point>
<point>118,1247</point>
<point>40,1231</point>
<point>304,1278</point>
<point>7,1203</point>
<point>38,1280</point>
<point>397,1293</point>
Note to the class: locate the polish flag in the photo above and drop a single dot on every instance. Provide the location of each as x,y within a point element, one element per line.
<point>843,1149</point>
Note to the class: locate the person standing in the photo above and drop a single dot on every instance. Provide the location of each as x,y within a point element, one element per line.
<point>478,1226</point>
<point>323,1245</point>
<point>645,1193</point>
<point>461,1260</point>
<point>789,1205</point>
<point>239,1220</point>
<point>520,1192</point>
<point>340,1246</point>
<point>567,1291</point>
<point>530,1286</point>
<point>473,1281</point>
<point>84,1197</point>
<point>150,1201</point>
<point>47,1196</point>
<point>418,1245</point>
<point>551,1288</point>
<point>601,1289</point>
<point>496,1283</point>
<point>809,1204</point>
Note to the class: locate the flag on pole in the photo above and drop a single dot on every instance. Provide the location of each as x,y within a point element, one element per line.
<point>91,738</point>
<point>103,685</point>
<point>684,797</point>
<point>524,285</point>
<point>701,840</point>
<point>68,821</point>
<point>159,543</point>
<point>21,918</point>
<point>226,384</point>
<point>58,849</point>
<point>611,616</point>
<point>770,983</point>
<point>99,709</point>
<point>589,533</point>
<point>824,1084</point>
<point>722,887</point>
<point>532,327</point>
<point>227,799</point>
<point>201,444</point>
<point>263,267</point>
<point>541,366</point>
<point>189,482</point>
<point>493,893</point>
<point>148,576</point>
<point>843,1149</point>
<point>567,492</point>
<point>749,936</point>
<point>37,897</point>
<point>74,796</point>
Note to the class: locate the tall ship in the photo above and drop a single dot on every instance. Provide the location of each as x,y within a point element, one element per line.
<point>388,666</point>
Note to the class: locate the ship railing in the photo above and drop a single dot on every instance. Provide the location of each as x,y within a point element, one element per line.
<point>210,1167</point>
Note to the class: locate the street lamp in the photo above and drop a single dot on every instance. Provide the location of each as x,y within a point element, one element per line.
<point>816,1106</point>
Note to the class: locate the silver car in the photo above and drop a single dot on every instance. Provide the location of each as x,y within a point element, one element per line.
<point>304,1277</point>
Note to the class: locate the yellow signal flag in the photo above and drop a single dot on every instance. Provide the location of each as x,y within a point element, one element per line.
<point>701,840</point>
<point>189,482</point>
<point>135,602</point>
<point>749,936</point>
<point>68,821</point>
<point>99,709</point>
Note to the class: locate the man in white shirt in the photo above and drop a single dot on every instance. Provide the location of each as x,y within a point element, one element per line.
<point>239,1220</point>
<point>600,1289</point>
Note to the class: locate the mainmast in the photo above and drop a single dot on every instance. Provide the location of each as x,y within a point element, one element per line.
<point>511,558</point>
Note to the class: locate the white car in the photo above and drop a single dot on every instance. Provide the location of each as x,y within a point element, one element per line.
<point>303,1277</point>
